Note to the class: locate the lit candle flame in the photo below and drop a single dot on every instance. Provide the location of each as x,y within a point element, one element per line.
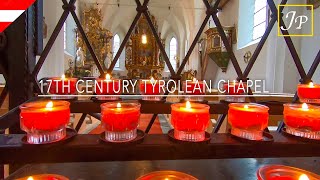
<point>194,80</point>
<point>108,77</point>
<point>63,77</point>
<point>305,106</point>
<point>311,84</point>
<point>30,178</point>
<point>49,105</point>
<point>303,177</point>
<point>119,105</point>
<point>246,106</point>
<point>188,105</point>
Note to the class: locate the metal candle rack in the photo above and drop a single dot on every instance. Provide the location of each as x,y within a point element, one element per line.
<point>23,86</point>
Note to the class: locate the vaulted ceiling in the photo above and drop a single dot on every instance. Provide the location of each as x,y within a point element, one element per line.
<point>178,17</point>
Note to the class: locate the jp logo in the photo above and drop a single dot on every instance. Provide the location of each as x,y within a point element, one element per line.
<point>299,20</point>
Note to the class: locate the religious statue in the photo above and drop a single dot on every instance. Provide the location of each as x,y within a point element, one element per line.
<point>70,71</point>
<point>79,57</point>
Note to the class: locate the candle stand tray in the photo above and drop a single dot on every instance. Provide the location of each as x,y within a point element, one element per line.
<point>173,139</point>
<point>303,139</point>
<point>95,99</point>
<point>70,133</point>
<point>88,147</point>
<point>137,140</point>
<point>201,102</point>
<point>267,138</point>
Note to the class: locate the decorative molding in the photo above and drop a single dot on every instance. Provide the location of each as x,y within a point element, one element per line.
<point>247,56</point>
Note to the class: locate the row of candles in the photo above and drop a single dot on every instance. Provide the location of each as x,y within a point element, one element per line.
<point>268,172</point>
<point>46,121</point>
<point>120,119</point>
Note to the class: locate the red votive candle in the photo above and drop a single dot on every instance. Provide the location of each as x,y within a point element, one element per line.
<point>120,120</point>
<point>167,175</point>
<point>63,86</point>
<point>234,89</point>
<point>302,120</point>
<point>190,121</point>
<point>44,121</point>
<point>44,177</point>
<point>280,172</point>
<point>194,90</point>
<point>248,120</point>
<point>309,93</point>
<point>150,90</point>
<point>106,88</point>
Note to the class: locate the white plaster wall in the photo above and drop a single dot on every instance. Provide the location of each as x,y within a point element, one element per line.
<point>274,64</point>
<point>311,45</point>
<point>2,80</point>
<point>54,64</point>
<point>229,17</point>
<point>291,75</point>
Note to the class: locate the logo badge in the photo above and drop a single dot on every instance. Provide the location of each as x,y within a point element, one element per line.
<point>296,22</point>
<point>10,10</point>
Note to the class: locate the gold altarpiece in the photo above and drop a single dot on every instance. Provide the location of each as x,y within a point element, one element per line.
<point>144,60</point>
<point>99,37</point>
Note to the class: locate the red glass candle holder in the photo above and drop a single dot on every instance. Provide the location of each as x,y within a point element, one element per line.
<point>302,120</point>
<point>120,120</point>
<point>248,120</point>
<point>190,121</point>
<point>233,90</point>
<point>194,90</point>
<point>62,87</point>
<point>106,89</point>
<point>150,90</point>
<point>44,177</point>
<point>309,93</point>
<point>280,172</point>
<point>167,175</point>
<point>44,121</point>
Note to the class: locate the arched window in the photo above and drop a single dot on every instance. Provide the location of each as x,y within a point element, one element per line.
<point>259,19</point>
<point>253,20</point>
<point>173,49</point>
<point>65,36</point>
<point>116,46</point>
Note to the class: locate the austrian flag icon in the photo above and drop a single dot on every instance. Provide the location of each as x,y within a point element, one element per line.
<point>10,10</point>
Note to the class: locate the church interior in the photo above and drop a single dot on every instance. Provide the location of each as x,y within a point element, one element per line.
<point>214,41</point>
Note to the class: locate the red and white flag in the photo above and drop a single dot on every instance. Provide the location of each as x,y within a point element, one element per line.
<point>10,10</point>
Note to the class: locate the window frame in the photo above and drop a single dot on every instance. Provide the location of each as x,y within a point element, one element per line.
<point>266,21</point>
<point>117,65</point>
<point>173,62</point>
<point>65,36</point>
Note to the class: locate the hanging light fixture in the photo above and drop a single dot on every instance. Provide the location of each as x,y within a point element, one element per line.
<point>144,38</point>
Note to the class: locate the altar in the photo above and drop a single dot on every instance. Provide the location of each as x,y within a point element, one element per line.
<point>143,56</point>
